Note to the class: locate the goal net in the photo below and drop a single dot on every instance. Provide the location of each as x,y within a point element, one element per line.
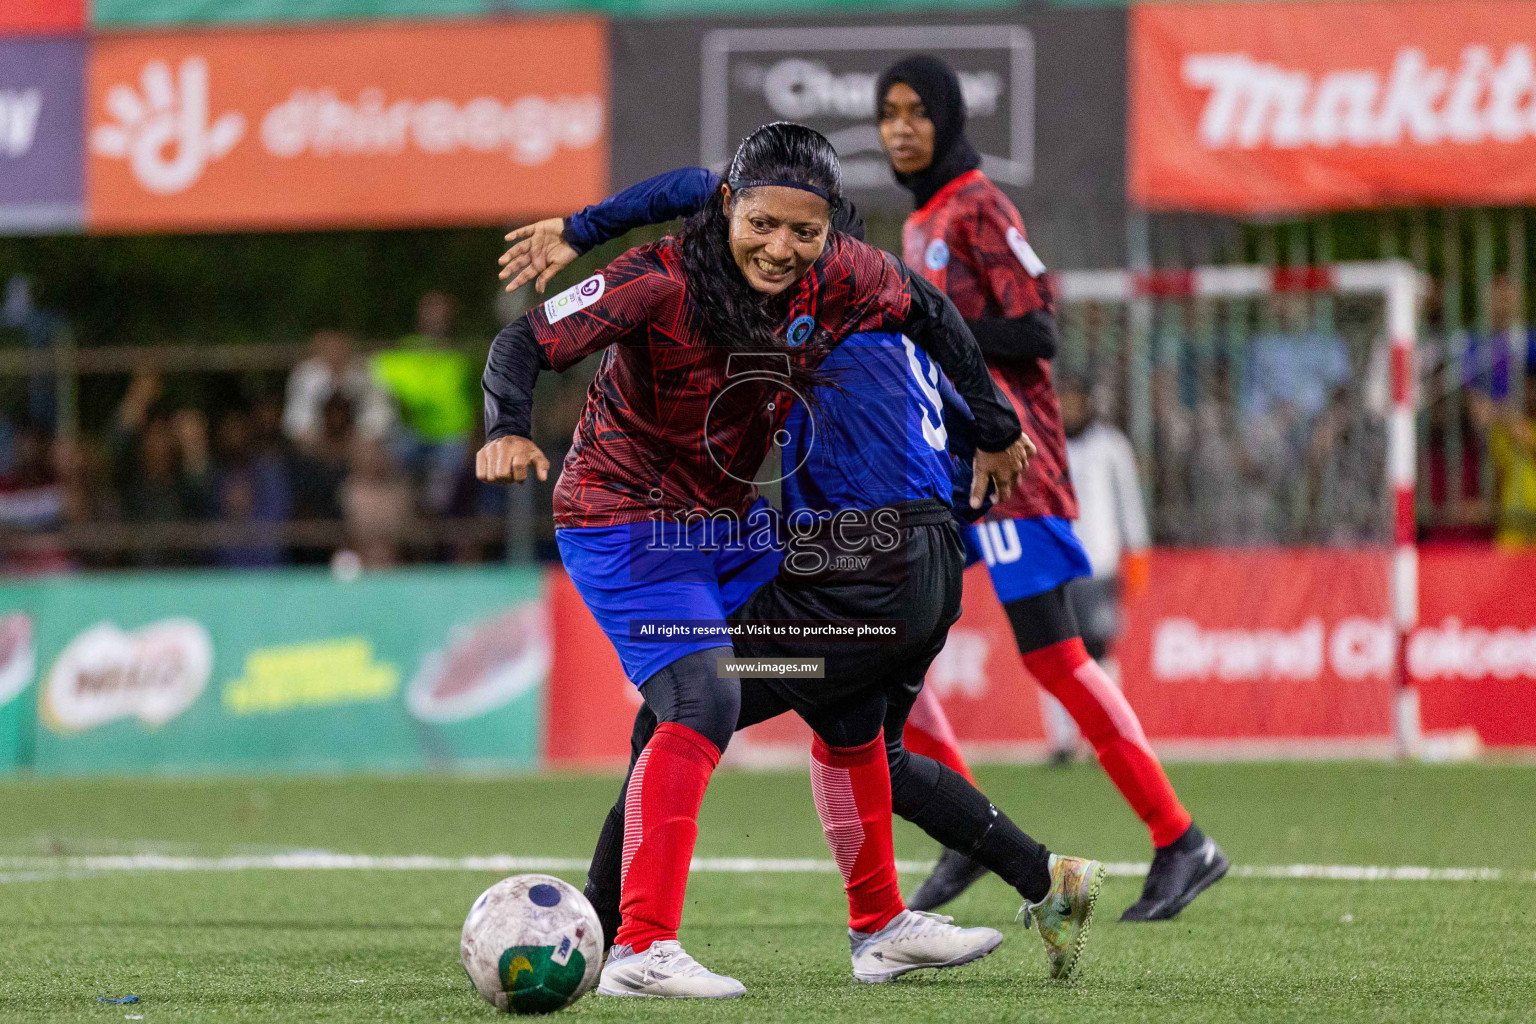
<point>1272,415</point>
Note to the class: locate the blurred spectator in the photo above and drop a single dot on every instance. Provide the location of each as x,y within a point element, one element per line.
<point>160,459</point>
<point>32,502</point>
<point>38,327</point>
<point>376,503</point>
<point>1453,460</point>
<point>252,484</point>
<point>1297,365</point>
<point>1512,448</point>
<point>1173,441</point>
<point>1486,365</point>
<point>322,466</point>
<point>1232,488</point>
<point>436,387</point>
<point>1456,417</point>
<point>334,369</point>
<point>1346,463</point>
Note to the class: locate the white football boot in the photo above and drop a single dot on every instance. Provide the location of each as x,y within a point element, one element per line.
<point>915,940</point>
<point>663,971</point>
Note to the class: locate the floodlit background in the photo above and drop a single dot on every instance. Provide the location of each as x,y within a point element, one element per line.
<point>253,601</point>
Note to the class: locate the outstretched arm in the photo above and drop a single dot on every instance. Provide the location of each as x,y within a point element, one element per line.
<point>653,201</point>
<point>612,307</point>
<point>542,249</point>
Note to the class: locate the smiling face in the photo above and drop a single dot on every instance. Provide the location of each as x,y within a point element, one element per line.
<point>776,234</point>
<point>906,132</point>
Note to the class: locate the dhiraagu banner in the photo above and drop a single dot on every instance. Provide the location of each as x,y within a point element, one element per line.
<point>291,671</point>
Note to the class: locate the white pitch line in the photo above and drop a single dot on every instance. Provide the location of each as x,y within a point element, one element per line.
<point>28,869</point>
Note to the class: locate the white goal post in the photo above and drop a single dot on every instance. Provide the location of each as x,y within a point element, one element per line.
<point>1399,287</point>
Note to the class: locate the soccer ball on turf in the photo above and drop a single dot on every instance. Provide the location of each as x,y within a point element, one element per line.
<point>532,944</point>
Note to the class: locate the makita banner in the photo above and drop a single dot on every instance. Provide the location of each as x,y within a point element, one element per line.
<point>1276,107</point>
<point>1043,91</point>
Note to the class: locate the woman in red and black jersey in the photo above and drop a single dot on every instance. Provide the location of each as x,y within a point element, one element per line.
<point>666,450</point>
<point>967,238</point>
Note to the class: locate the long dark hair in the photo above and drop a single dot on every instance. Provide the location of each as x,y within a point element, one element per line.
<point>737,316</point>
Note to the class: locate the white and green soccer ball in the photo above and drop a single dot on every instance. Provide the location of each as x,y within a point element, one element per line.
<point>532,944</point>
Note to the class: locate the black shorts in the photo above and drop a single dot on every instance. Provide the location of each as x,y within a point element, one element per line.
<point>916,583</point>
<point>1096,606</point>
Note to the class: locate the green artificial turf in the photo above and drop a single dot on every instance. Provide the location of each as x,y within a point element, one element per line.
<point>280,946</point>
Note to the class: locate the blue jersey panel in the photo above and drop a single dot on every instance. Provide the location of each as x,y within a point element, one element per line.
<point>878,442</point>
<point>1026,557</point>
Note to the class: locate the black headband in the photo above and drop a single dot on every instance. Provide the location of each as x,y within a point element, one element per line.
<point>738,185</point>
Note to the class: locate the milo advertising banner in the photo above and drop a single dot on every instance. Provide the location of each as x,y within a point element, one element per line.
<point>273,672</point>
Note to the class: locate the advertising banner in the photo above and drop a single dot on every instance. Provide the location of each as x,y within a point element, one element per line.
<point>1473,656</point>
<point>172,12</point>
<point>41,134</point>
<point>1043,89</point>
<point>1280,643</point>
<point>54,16</point>
<point>163,12</point>
<point>455,123</point>
<point>269,672</point>
<point>591,706</point>
<point>1278,107</point>
<point>18,667</point>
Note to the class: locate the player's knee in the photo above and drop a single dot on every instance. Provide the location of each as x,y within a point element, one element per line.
<point>1041,620</point>
<point>850,726</point>
<point>690,692</point>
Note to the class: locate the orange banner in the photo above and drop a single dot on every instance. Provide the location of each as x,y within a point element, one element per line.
<point>468,123</point>
<point>1276,107</point>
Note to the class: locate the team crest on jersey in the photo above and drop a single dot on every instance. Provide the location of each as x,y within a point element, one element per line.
<point>800,330</point>
<point>574,298</point>
<point>937,254</point>
<point>1025,252</point>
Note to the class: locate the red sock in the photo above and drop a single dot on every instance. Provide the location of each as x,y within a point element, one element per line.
<point>928,733</point>
<point>661,824</point>
<point>1106,718</point>
<point>852,787</point>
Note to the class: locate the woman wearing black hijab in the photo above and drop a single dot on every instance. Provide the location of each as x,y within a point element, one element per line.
<point>967,239</point>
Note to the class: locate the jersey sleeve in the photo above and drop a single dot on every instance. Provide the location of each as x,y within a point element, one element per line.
<point>1006,266</point>
<point>655,200</point>
<point>611,307</point>
<point>868,288</point>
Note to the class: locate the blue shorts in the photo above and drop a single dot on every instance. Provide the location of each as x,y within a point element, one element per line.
<point>1026,557</point>
<point>660,591</point>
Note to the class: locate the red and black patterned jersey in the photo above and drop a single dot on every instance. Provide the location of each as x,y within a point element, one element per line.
<point>672,423</point>
<point>969,241</point>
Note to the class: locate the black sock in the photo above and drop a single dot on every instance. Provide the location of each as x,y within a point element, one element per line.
<point>942,803</point>
<point>604,875</point>
<point>1191,840</point>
